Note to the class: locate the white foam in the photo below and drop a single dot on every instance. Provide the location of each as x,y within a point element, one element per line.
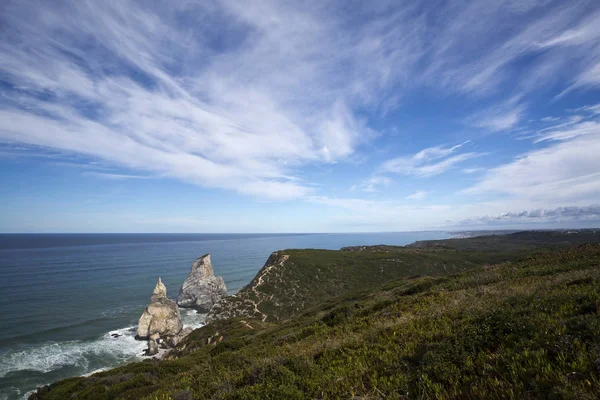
<point>26,395</point>
<point>106,351</point>
<point>95,371</point>
<point>85,358</point>
<point>191,318</point>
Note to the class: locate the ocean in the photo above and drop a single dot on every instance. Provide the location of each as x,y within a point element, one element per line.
<point>63,296</point>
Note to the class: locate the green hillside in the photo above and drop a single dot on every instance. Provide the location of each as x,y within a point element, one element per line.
<point>525,328</point>
<point>293,280</point>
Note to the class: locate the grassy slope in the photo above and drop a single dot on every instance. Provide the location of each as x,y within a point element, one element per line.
<point>293,280</point>
<point>526,329</point>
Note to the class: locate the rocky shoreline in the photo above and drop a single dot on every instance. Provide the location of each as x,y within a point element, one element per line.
<point>160,324</point>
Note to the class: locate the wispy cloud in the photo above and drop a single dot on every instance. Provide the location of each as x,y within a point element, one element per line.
<point>568,131</point>
<point>150,90</point>
<point>418,195</point>
<point>117,177</point>
<point>472,170</point>
<point>593,109</point>
<point>371,184</point>
<point>223,95</point>
<point>429,162</point>
<point>564,171</point>
<point>498,118</point>
<point>550,119</point>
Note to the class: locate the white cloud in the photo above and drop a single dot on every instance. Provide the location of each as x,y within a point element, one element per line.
<point>112,176</point>
<point>569,132</point>
<point>550,119</point>
<point>472,170</point>
<point>566,171</point>
<point>589,77</point>
<point>418,195</point>
<point>229,96</point>
<point>137,87</point>
<point>428,162</point>
<point>371,184</point>
<point>498,118</point>
<point>549,39</point>
<point>595,109</point>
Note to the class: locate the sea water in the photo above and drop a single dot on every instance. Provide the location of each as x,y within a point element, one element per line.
<point>70,303</point>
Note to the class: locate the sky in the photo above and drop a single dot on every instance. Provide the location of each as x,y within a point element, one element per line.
<point>287,116</point>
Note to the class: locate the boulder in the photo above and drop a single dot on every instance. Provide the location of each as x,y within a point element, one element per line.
<point>201,289</point>
<point>161,317</point>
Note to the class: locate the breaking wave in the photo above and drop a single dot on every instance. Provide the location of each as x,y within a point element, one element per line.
<point>50,361</point>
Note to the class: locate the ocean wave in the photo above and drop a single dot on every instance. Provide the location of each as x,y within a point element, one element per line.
<point>192,318</point>
<point>85,356</point>
<point>47,362</point>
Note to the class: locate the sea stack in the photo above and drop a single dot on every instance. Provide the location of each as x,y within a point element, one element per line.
<point>160,320</point>
<point>201,289</point>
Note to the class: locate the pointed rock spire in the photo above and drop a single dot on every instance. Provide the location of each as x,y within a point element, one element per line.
<point>160,290</point>
<point>203,266</point>
<point>201,289</point>
<point>161,316</point>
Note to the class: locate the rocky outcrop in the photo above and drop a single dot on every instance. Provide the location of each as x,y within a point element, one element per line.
<point>160,322</point>
<point>201,289</point>
<point>258,300</point>
<point>174,340</point>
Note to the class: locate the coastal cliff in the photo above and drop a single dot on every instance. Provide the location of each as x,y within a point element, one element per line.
<point>389,322</point>
<point>256,300</point>
<point>293,280</point>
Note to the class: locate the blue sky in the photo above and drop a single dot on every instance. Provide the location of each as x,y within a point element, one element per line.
<point>276,116</point>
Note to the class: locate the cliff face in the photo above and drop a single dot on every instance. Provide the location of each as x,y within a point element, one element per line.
<point>292,281</point>
<point>257,299</point>
<point>201,289</point>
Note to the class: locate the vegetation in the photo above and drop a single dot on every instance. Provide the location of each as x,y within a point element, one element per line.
<point>524,328</point>
<point>293,280</point>
<point>516,242</point>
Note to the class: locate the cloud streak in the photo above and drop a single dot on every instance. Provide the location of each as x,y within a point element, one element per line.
<point>500,117</point>
<point>428,162</point>
<point>566,170</point>
<point>418,195</point>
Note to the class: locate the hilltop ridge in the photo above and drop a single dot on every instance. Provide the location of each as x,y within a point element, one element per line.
<point>292,280</point>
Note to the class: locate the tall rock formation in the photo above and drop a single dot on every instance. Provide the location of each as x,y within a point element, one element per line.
<point>201,289</point>
<point>160,320</point>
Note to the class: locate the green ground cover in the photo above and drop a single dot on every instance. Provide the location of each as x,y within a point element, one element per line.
<point>510,322</point>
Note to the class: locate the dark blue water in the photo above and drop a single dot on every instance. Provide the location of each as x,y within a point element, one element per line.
<point>62,295</point>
